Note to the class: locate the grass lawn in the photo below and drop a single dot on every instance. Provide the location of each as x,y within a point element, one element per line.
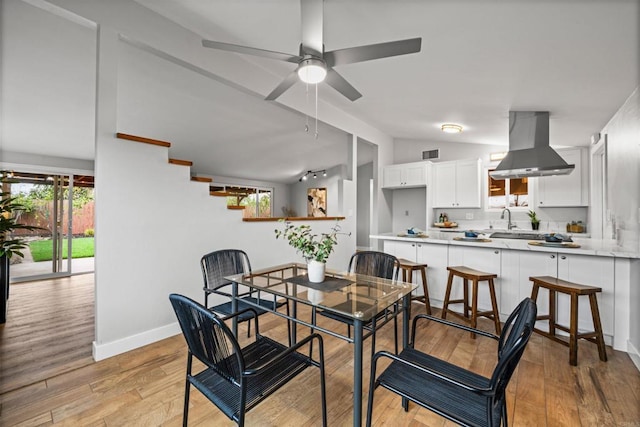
<point>82,247</point>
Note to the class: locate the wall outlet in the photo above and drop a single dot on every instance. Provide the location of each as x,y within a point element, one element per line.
<point>469,216</point>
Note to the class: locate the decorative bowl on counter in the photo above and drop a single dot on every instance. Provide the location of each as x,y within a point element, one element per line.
<point>556,238</point>
<point>447,224</point>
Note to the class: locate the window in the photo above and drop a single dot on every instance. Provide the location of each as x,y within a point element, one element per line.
<point>256,200</point>
<point>507,193</point>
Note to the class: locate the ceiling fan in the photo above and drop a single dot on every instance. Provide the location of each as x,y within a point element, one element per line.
<point>316,65</point>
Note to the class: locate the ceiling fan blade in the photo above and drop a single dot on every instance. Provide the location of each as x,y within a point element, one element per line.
<point>311,28</point>
<point>338,82</point>
<point>288,81</point>
<point>251,51</point>
<point>351,55</point>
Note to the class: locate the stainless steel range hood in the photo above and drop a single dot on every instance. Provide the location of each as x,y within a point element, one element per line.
<point>529,152</point>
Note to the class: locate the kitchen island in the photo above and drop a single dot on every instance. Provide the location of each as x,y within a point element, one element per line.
<point>596,262</point>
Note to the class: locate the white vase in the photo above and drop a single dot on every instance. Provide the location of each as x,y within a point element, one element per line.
<point>315,270</point>
<point>314,296</point>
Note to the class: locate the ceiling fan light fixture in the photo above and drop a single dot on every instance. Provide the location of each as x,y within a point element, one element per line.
<point>451,128</point>
<point>312,70</point>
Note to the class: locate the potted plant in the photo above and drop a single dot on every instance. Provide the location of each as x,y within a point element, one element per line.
<point>535,222</point>
<point>9,245</point>
<point>314,249</point>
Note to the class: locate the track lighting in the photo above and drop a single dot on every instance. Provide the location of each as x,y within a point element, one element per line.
<point>313,173</point>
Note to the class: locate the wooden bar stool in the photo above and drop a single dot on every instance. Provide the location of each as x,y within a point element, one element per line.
<point>574,290</point>
<point>475,276</point>
<point>408,267</point>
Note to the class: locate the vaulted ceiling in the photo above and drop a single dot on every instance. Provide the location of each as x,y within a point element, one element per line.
<point>579,60</point>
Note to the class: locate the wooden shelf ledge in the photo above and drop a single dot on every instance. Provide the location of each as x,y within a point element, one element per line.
<point>219,193</point>
<point>201,179</point>
<point>181,162</point>
<point>296,218</point>
<point>143,139</point>
<point>236,208</point>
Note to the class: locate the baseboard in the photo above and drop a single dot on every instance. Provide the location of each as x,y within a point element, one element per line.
<point>634,354</point>
<point>106,350</point>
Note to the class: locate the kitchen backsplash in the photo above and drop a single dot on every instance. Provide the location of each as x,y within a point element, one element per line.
<point>551,219</point>
<point>545,226</point>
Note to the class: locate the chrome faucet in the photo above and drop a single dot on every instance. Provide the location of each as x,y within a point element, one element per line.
<point>510,225</point>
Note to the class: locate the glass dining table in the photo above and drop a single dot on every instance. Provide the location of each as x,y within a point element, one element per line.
<point>366,302</point>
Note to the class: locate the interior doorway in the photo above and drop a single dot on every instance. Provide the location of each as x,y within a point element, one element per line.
<point>62,206</point>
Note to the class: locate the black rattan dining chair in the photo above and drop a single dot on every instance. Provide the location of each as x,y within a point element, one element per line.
<point>377,264</point>
<point>453,392</point>
<point>227,262</point>
<point>236,379</point>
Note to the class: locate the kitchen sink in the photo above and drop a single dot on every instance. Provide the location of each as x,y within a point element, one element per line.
<point>521,236</point>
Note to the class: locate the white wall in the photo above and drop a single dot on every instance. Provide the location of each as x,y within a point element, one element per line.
<point>623,166</point>
<point>365,176</point>
<point>409,209</point>
<point>410,150</point>
<point>623,188</point>
<point>153,226</point>
<point>47,94</point>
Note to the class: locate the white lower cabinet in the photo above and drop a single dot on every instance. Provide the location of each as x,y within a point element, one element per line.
<point>514,267</point>
<point>487,260</point>
<point>434,255</point>
<point>518,266</point>
<point>592,271</point>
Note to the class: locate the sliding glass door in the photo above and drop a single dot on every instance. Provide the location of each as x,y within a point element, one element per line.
<point>64,214</point>
<point>60,235</point>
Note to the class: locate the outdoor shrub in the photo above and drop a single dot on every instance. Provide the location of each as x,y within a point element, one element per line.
<point>88,232</point>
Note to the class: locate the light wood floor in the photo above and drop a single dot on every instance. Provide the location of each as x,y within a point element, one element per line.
<point>49,330</point>
<point>145,387</point>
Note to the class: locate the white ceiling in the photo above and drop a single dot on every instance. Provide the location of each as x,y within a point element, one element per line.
<point>480,59</point>
<point>577,59</point>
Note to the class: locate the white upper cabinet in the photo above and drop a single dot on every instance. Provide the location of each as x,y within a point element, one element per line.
<point>406,175</point>
<point>457,184</point>
<point>566,190</point>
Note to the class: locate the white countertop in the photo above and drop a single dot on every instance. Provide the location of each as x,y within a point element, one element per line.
<point>588,246</point>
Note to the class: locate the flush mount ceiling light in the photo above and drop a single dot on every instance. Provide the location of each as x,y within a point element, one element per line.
<point>451,128</point>
<point>312,70</point>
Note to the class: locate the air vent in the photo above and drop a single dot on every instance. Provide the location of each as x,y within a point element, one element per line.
<point>431,154</point>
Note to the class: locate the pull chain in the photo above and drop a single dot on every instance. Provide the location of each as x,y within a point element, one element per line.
<point>306,116</point>
<point>316,134</point>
